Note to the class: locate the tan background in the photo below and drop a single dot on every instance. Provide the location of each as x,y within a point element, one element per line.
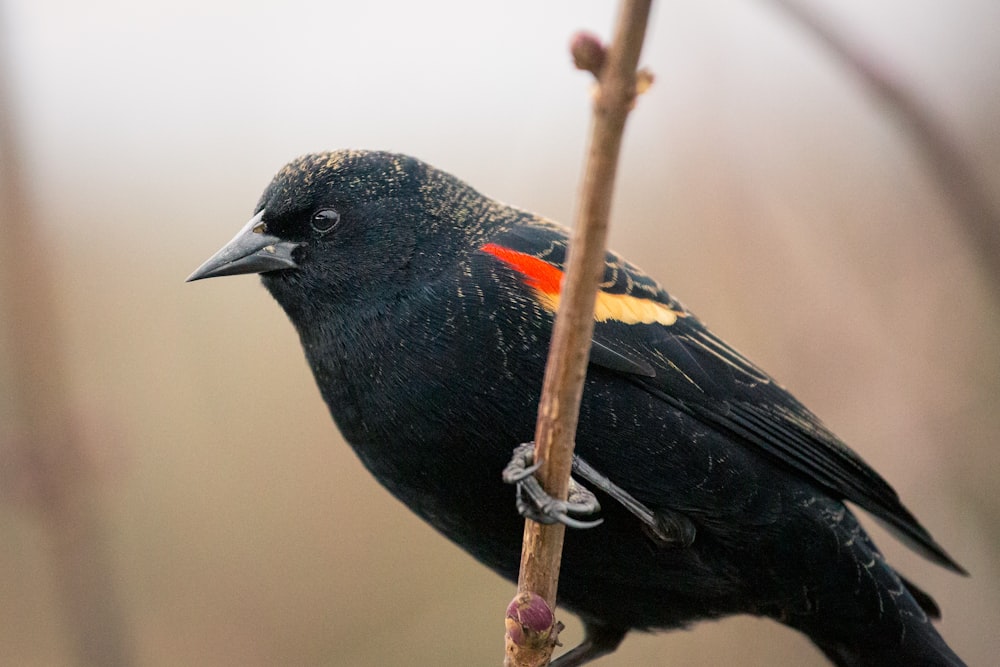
<point>759,182</point>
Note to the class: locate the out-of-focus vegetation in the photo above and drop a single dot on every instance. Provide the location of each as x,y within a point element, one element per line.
<point>759,182</point>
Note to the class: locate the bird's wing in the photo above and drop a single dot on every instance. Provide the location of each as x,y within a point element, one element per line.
<point>647,336</point>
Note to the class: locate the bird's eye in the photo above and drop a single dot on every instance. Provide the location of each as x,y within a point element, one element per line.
<point>324,220</point>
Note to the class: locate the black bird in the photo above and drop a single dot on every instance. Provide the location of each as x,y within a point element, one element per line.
<point>425,310</point>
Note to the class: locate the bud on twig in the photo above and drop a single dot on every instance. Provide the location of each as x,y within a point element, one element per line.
<point>588,52</point>
<point>532,630</point>
<point>589,55</point>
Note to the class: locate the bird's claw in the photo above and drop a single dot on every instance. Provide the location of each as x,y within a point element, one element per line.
<point>535,504</point>
<point>520,466</point>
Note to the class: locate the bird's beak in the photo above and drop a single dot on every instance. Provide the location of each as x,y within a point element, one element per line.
<point>252,250</point>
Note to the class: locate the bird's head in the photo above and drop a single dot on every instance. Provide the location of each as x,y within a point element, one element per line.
<point>345,225</point>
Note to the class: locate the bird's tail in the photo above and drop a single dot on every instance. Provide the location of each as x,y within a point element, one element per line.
<point>880,619</point>
<point>920,646</point>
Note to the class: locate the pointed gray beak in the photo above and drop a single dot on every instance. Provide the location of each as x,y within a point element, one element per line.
<point>252,250</point>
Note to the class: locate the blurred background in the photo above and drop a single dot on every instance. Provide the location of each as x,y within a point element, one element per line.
<point>173,491</point>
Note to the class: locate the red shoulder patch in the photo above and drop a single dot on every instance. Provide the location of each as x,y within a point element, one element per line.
<point>540,274</point>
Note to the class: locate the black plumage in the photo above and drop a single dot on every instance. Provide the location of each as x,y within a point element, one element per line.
<point>425,310</point>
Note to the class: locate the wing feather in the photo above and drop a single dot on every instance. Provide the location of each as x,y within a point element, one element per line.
<point>695,371</point>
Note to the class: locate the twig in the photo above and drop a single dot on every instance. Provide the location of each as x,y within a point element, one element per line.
<point>43,459</point>
<point>978,216</point>
<point>566,367</point>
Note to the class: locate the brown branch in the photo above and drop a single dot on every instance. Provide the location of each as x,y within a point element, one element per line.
<point>43,460</point>
<point>566,367</point>
<point>978,216</point>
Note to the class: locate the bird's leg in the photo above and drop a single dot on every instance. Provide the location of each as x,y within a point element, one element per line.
<point>664,527</point>
<point>535,504</point>
<point>599,640</point>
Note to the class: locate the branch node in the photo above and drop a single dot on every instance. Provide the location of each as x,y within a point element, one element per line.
<point>532,631</point>
<point>590,55</point>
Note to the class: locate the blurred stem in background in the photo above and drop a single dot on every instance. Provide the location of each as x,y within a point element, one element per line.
<point>45,463</point>
<point>977,216</point>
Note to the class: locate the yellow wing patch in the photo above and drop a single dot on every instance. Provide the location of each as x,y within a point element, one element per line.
<point>621,308</point>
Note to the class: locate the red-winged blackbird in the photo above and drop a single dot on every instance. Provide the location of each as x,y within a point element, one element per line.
<point>425,310</point>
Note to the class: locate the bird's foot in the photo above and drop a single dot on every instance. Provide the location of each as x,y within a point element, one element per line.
<point>535,504</point>
<point>665,527</point>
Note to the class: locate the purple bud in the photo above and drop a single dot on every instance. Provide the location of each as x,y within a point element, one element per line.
<point>529,620</point>
<point>588,52</point>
